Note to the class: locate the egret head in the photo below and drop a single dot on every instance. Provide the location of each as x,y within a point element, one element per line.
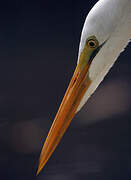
<point>100,22</point>
<point>100,45</point>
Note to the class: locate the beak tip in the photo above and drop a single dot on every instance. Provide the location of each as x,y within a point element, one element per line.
<point>40,166</point>
<point>38,171</point>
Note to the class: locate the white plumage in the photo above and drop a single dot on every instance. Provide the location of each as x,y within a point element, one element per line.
<point>108,20</point>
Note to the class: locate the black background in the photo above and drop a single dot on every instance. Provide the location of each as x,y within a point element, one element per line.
<point>39,43</point>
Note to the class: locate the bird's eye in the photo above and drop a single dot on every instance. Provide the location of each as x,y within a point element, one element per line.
<point>92,43</point>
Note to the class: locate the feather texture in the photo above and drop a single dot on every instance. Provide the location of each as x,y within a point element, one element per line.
<point>108,19</point>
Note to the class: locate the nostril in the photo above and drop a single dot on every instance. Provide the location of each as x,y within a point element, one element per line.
<point>76,77</point>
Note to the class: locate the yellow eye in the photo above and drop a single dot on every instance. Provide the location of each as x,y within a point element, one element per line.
<point>92,43</point>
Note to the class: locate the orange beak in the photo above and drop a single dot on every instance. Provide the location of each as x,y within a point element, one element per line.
<point>76,90</point>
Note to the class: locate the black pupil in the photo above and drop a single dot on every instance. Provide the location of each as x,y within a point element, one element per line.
<point>92,44</point>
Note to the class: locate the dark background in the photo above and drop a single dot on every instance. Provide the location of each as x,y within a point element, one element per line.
<point>39,43</point>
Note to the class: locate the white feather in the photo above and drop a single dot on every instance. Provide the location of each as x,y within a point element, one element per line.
<point>109,19</point>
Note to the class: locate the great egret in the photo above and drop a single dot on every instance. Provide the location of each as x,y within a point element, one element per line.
<point>106,32</point>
